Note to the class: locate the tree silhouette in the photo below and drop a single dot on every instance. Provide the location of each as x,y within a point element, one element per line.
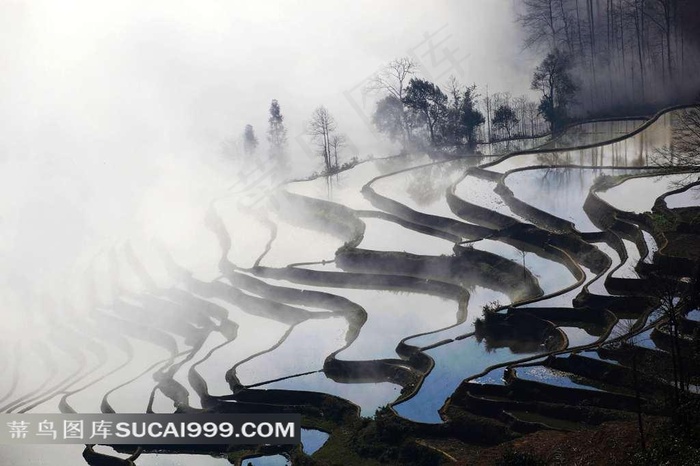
<point>250,141</point>
<point>321,128</point>
<point>552,77</point>
<point>277,134</point>
<point>429,103</point>
<point>505,119</point>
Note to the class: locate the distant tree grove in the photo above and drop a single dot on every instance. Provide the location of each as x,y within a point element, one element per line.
<point>630,52</point>
<point>418,113</point>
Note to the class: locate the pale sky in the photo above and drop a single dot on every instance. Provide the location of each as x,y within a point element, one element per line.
<point>137,74</point>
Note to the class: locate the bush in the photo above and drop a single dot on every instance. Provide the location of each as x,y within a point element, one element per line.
<point>491,307</point>
<point>517,458</point>
<point>417,455</point>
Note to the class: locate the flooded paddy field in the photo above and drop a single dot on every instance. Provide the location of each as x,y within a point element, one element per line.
<point>687,198</point>
<point>373,287</point>
<point>561,192</point>
<point>639,194</point>
<point>637,150</point>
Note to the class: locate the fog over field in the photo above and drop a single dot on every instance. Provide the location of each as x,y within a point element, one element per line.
<point>371,213</point>
<point>113,113</point>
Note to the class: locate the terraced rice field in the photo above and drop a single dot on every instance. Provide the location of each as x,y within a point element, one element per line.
<point>366,286</point>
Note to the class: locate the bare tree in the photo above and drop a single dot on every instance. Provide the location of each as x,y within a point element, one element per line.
<point>321,128</point>
<point>337,143</point>
<point>394,78</point>
<point>684,150</point>
<point>566,20</point>
<point>635,11</point>
<point>533,117</point>
<point>520,107</point>
<point>662,14</point>
<point>487,107</point>
<point>392,82</point>
<point>541,22</point>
